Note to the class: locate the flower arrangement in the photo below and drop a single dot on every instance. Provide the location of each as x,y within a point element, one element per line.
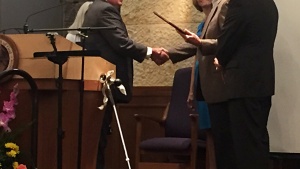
<point>9,150</point>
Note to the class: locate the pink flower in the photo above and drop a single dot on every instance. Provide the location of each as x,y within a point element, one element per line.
<point>13,96</point>
<point>8,107</point>
<point>4,122</point>
<point>22,166</point>
<point>11,114</point>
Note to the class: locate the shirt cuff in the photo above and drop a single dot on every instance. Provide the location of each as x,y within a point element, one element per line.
<point>149,53</point>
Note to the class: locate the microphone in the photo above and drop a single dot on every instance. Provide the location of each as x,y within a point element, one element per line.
<point>25,26</point>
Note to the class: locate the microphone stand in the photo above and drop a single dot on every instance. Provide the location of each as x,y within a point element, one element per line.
<point>60,59</point>
<point>81,91</point>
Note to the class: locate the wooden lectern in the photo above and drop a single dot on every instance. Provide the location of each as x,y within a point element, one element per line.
<point>45,73</point>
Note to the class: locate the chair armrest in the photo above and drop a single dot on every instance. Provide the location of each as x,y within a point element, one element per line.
<point>140,117</point>
<point>161,121</point>
<point>193,116</point>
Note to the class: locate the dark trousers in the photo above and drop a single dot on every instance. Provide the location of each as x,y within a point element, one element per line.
<point>105,131</point>
<point>239,127</point>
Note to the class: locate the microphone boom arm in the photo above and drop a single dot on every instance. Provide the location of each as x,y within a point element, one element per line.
<point>69,29</point>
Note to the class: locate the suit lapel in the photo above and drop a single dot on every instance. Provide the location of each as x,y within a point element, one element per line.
<point>209,17</point>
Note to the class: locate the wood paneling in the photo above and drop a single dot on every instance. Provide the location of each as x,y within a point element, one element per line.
<point>148,100</point>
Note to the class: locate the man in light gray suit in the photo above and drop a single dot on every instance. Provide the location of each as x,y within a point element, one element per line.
<point>212,82</point>
<point>211,87</point>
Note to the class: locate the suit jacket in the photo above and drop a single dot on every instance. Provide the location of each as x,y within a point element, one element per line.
<point>245,48</point>
<point>211,81</point>
<point>114,44</point>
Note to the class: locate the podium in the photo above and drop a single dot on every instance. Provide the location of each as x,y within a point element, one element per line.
<point>45,73</point>
<point>28,44</point>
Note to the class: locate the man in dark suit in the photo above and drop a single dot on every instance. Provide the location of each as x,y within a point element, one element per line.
<point>116,47</point>
<point>245,56</point>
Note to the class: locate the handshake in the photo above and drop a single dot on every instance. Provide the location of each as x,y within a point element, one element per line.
<point>159,55</point>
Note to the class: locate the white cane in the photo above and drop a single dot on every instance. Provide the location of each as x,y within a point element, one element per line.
<point>107,80</point>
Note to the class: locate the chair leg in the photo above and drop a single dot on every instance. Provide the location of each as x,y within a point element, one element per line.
<point>138,141</point>
<point>210,151</point>
<point>137,160</point>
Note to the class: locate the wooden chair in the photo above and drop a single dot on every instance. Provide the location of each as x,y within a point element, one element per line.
<point>182,138</point>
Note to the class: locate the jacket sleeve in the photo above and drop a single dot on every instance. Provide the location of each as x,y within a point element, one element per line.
<point>209,46</point>
<point>231,34</point>
<point>182,52</point>
<point>118,38</point>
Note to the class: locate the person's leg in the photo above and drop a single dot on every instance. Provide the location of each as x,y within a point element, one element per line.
<point>105,130</point>
<point>249,118</point>
<point>220,127</point>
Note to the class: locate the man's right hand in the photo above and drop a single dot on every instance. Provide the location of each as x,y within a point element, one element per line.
<point>159,55</point>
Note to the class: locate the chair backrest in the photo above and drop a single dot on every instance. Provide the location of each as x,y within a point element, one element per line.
<point>178,121</point>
